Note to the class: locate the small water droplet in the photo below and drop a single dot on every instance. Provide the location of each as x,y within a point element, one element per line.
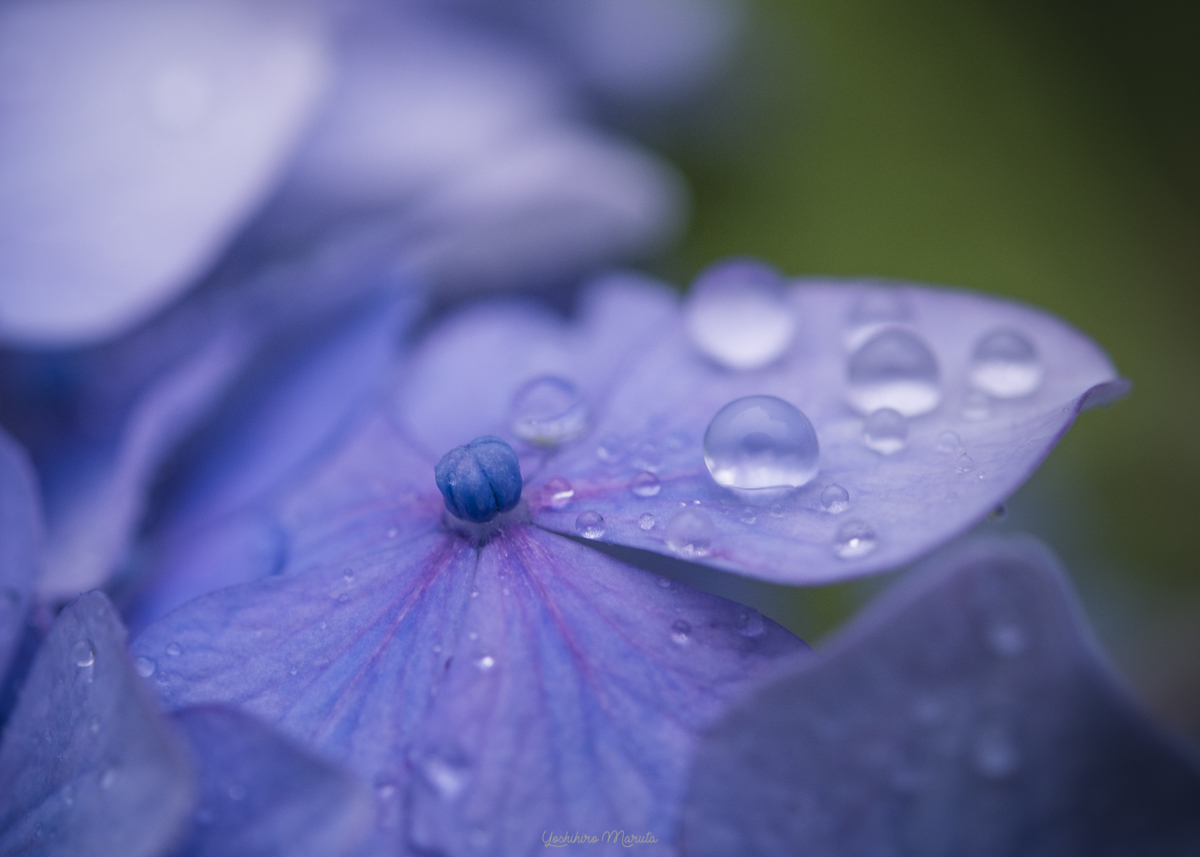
<point>557,492</point>
<point>999,513</point>
<point>681,632</point>
<point>590,524</point>
<point>348,575</point>
<point>472,636</point>
<point>690,533</point>
<point>108,778</point>
<point>835,499</point>
<point>737,313</point>
<point>1006,639</point>
<point>664,582</point>
<point>894,369</point>
<point>485,663</point>
<point>1005,365</point>
<point>610,449</point>
<point>236,791</point>
<point>174,650</point>
<point>645,484</point>
<point>343,598</point>
<point>748,515</point>
<point>885,431</point>
<point>448,778</point>
<point>855,539</point>
<point>949,442</point>
<point>474,593</point>
<point>646,522</point>
<point>977,407</point>
<point>750,623</point>
<point>145,667</point>
<point>761,442</point>
<point>964,463</point>
<point>995,755</point>
<point>548,411</point>
<point>83,654</point>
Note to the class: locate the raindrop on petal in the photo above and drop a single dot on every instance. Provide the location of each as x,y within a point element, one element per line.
<point>485,663</point>
<point>894,369</point>
<point>646,522</point>
<point>737,313</point>
<point>681,632</point>
<point>173,650</point>
<point>761,442</point>
<point>855,539</point>
<point>83,654</point>
<point>835,499</point>
<point>885,431</point>
<point>145,667</point>
<point>447,778</point>
<point>590,524</point>
<point>548,411</point>
<point>750,623</point>
<point>949,441</point>
<point>1005,365</point>
<point>964,463</point>
<point>690,533</point>
<point>557,492</point>
<point>645,484</point>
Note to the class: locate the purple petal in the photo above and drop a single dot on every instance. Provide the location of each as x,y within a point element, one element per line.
<point>644,456</point>
<point>87,765</point>
<point>137,138</point>
<point>260,794</point>
<point>20,546</point>
<point>967,712</point>
<point>540,683</point>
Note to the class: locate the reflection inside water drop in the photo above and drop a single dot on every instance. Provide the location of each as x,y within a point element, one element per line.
<point>854,539</point>
<point>590,524</point>
<point>894,369</point>
<point>83,654</point>
<point>885,431</point>
<point>557,492</point>
<point>690,533</point>
<point>548,411</point>
<point>681,632</point>
<point>1005,365</point>
<point>645,484</point>
<point>835,499</point>
<point>737,313</point>
<point>761,442</point>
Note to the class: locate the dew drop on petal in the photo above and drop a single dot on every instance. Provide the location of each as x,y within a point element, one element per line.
<point>646,522</point>
<point>590,524</point>
<point>964,463</point>
<point>485,663</point>
<point>948,442</point>
<point>855,539</point>
<point>750,623</point>
<point>145,667</point>
<point>894,369</point>
<point>83,654</point>
<point>749,515</point>
<point>835,499</point>
<point>977,407</point>
<point>878,306</point>
<point>737,313</point>
<point>690,533</point>
<point>610,449</point>
<point>885,431</point>
<point>681,632</point>
<point>645,484</point>
<point>447,778</point>
<point>548,411</point>
<point>557,492</point>
<point>1005,365</point>
<point>761,442</point>
<point>665,582</point>
<point>995,755</point>
<point>173,650</point>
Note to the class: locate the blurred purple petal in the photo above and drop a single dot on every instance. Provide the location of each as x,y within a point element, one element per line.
<point>967,712</point>
<point>87,765</point>
<point>137,137</point>
<point>261,795</point>
<point>368,626</point>
<point>20,546</point>
<point>643,461</point>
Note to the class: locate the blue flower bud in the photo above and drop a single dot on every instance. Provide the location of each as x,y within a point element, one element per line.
<point>480,480</point>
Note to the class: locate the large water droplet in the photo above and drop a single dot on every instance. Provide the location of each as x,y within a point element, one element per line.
<point>761,442</point>
<point>645,484</point>
<point>894,369</point>
<point>590,524</point>
<point>83,654</point>
<point>1005,365</point>
<point>548,411</point>
<point>145,667</point>
<point>835,499</point>
<point>646,522</point>
<point>557,492</point>
<point>885,431</point>
<point>690,533</point>
<point>737,313</point>
<point>681,632</point>
<point>995,755</point>
<point>855,539</point>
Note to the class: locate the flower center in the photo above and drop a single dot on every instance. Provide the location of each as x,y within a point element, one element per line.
<point>480,480</point>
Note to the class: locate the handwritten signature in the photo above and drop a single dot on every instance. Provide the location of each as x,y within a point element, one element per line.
<point>550,839</point>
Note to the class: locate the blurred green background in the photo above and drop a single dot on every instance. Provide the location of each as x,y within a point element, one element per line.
<point>1049,151</point>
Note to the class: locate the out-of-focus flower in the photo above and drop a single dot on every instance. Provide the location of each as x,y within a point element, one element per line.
<point>967,712</point>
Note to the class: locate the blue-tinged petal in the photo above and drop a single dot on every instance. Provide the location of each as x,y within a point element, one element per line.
<point>967,712</point>
<point>20,546</point>
<point>870,506</point>
<point>586,677</point>
<point>260,795</point>
<point>87,764</point>
<point>137,137</point>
